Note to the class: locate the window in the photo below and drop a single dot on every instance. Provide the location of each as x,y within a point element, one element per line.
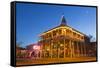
<point>54,33</point>
<point>61,47</point>
<point>66,43</point>
<point>55,46</point>
<point>61,41</point>
<point>82,37</point>
<point>47,54</point>
<point>61,54</point>
<point>64,31</point>
<point>78,36</point>
<point>60,31</point>
<point>55,54</point>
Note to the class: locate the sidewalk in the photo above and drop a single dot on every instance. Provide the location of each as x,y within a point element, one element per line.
<point>53,60</point>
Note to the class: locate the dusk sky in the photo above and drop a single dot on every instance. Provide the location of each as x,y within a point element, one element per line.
<point>34,19</point>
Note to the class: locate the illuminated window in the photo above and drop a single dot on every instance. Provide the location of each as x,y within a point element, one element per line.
<point>61,41</point>
<point>61,54</point>
<point>61,47</point>
<point>66,53</point>
<point>55,46</point>
<point>54,33</point>
<point>60,31</point>
<point>64,31</point>
<point>67,43</point>
<point>55,54</point>
<point>47,54</point>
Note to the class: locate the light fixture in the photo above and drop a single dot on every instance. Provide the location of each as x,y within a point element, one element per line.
<point>36,47</point>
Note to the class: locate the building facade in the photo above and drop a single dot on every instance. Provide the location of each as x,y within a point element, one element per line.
<point>21,52</point>
<point>63,41</point>
<point>92,49</point>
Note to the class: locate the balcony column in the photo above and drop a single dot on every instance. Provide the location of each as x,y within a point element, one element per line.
<point>73,48</point>
<point>71,52</point>
<point>51,51</point>
<point>77,50</point>
<point>57,45</point>
<point>68,48</point>
<point>64,49</point>
<point>81,49</point>
<point>40,51</point>
<point>51,44</point>
<point>44,51</point>
<point>58,52</point>
<point>84,49</point>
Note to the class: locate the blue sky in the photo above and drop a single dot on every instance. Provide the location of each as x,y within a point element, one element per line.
<point>33,19</point>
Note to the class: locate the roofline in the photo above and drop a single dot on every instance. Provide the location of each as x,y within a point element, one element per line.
<point>67,26</point>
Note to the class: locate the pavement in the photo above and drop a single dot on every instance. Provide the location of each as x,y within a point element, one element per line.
<point>53,60</point>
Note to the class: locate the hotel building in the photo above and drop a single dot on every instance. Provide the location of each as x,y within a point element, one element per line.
<point>63,41</point>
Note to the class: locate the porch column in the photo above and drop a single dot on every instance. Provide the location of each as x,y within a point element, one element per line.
<point>64,48</point>
<point>71,49</point>
<point>77,49</point>
<point>84,49</point>
<point>81,49</point>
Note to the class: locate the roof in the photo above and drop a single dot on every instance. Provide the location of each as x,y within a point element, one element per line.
<point>63,23</point>
<point>21,48</point>
<point>66,26</point>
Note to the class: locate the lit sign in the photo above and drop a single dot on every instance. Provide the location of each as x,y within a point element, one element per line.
<point>36,47</point>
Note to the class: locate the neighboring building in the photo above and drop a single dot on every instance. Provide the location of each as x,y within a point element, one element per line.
<point>92,49</point>
<point>63,41</point>
<point>33,50</point>
<point>20,52</point>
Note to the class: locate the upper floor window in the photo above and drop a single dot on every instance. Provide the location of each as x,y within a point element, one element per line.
<point>60,31</point>
<point>54,33</point>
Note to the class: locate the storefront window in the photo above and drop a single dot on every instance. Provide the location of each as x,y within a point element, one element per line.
<point>55,54</point>
<point>61,54</point>
<point>61,47</point>
<point>47,54</point>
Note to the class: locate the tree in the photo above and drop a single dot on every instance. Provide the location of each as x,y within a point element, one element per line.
<point>92,39</point>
